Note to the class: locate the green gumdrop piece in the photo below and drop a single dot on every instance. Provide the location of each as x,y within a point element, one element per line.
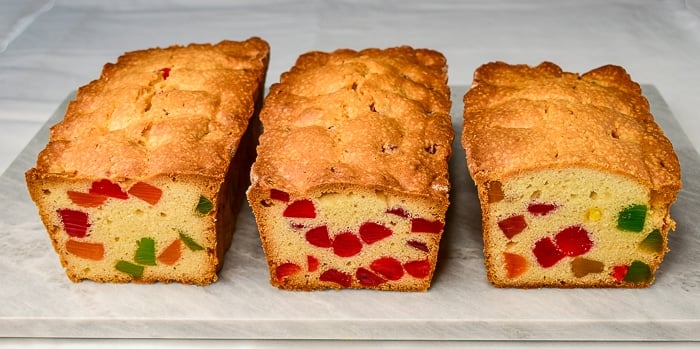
<point>204,205</point>
<point>653,243</point>
<point>638,272</point>
<point>632,218</point>
<point>146,252</point>
<point>190,243</point>
<point>130,268</point>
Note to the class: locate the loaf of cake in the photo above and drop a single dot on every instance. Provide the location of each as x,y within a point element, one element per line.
<point>350,186</point>
<point>574,176</point>
<point>142,179</point>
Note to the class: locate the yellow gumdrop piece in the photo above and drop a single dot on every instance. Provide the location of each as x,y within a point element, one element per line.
<point>594,214</point>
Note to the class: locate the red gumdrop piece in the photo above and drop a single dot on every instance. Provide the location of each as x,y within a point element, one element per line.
<point>422,225</point>
<point>418,269</point>
<point>312,263</point>
<point>541,209</point>
<point>368,278</point>
<point>513,225</point>
<point>276,194</point>
<point>107,188</point>
<point>619,272</point>
<point>285,270</point>
<point>418,245</point>
<point>74,222</point>
<point>573,241</point>
<point>547,252</point>
<point>319,237</point>
<point>165,72</point>
<point>397,211</point>
<point>388,267</point>
<point>336,276</point>
<point>371,232</point>
<point>346,245</point>
<point>300,209</point>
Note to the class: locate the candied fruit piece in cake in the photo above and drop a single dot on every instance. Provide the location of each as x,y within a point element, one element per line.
<point>541,209</point>
<point>300,209</point>
<point>283,271</point>
<point>573,241</point>
<point>279,195</point>
<point>420,245</point>
<point>142,179</point>
<point>171,254</point>
<point>584,266</point>
<point>336,277</point>
<point>94,251</point>
<point>312,263</point>
<point>632,218</point>
<point>653,243</point>
<point>580,208</point>
<point>547,252</point>
<point>352,169</point>
<point>388,267</point>
<point>418,269</point>
<point>86,199</point>
<point>107,188</point>
<point>75,223</point>
<point>372,232</point>
<point>146,252</point>
<point>146,192</point>
<point>204,205</point>
<point>422,225</point>
<point>638,272</point>
<point>346,245</point>
<point>513,225</point>
<point>368,278</point>
<point>165,72</point>
<point>515,264</point>
<point>133,270</point>
<point>619,271</point>
<point>319,237</point>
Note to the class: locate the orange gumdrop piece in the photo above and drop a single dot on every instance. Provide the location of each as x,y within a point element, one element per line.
<point>172,253</point>
<point>87,250</point>
<point>86,199</point>
<point>146,192</point>
<point>516,265</point>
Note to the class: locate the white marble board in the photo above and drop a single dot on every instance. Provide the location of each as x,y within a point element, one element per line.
<point>38,300</point>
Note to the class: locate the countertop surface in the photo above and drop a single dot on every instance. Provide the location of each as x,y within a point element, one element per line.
<point>49,48</point>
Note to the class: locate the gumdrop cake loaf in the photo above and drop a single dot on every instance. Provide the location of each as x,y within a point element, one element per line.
<point>350,186</point>
<point>574,176</point>
<point>142,179</point>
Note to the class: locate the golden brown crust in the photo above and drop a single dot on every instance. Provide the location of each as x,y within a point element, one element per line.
<point>134,123</point>
<point>373,124</point>
<point>519,118</point>
<point>316,119</point>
